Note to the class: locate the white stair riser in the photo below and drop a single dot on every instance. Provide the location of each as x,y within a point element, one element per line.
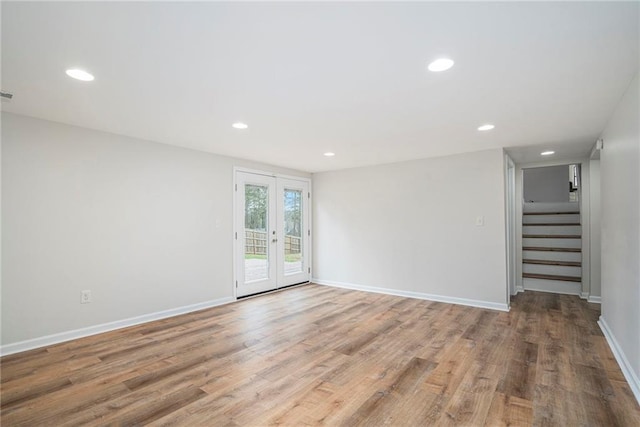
<point>553,256</point>
<point>552,243</point>
<point>555,219</point>
<point>556,286</point>
<point>551,207</point>
<point>559,270</point>
<point>551,229</point>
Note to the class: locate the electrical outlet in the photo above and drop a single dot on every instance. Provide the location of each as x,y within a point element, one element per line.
<point>85,297</point>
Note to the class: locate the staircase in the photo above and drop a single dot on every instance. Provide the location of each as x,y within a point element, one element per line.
<point>552,247</point>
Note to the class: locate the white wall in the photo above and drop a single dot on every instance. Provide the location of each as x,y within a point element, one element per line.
<point>1,274</point>
<point>146,227</point>
<point>594,204</point>
<point>410,227</point>
<point>620,195</point>
<point>547,184</point>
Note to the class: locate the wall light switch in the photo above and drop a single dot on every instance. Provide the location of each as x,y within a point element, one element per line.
<point>480,221</point>
<point>85,297</point>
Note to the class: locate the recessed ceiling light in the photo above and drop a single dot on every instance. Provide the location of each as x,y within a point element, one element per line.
<point>547,153</point>
<point>488,126</point>
<point>80,75</point>
<point>329,154</point>
<point>440,64</point>
<point>240,125</point>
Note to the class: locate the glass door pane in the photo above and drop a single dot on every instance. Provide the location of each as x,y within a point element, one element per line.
<point>256,220</point>
<point>292,231</point>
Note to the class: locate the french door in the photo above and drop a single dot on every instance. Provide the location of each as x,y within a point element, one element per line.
<point>272,232</point>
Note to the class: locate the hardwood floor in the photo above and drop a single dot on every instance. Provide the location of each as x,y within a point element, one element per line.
<point>321,355</point>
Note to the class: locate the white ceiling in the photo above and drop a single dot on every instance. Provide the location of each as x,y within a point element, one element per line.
<point>315,77</point>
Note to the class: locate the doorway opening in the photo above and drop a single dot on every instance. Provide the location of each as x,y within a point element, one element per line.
<point>272,233</point>
<point>552,229</point>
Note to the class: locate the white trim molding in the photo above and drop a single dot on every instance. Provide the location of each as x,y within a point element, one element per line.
<point>106,327</point>
<point>625,366</point>
<point>584,295</point>
<point>418,295</point>
<point>594,299</point>
<point>553,290</point>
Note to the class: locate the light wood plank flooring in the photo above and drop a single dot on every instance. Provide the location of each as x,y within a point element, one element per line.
<point>319,355</point>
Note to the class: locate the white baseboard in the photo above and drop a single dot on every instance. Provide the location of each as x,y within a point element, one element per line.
<point>418,295</point>
<point>594,299</point>
<point>584,295</point>
<point>519,289</point>
<point>625,366</point>
<point>106,327</point>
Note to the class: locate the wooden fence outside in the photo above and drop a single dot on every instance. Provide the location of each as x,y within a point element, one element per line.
<point>256,243</point>
<point>291,245</point>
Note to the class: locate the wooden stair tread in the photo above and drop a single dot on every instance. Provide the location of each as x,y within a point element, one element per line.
<point>551,277</point>
<point>546,224</point>
<point>551,236</point>
<point>552,262</point>
<point>550,213</point>
<point>548,249</point>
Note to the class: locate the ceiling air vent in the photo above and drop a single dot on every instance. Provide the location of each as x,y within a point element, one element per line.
<point>6,96</point>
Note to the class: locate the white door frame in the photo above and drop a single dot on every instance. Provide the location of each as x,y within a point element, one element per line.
<point>303,275</point>
<point>270,281</point>
<point>510,207</point>
<point>237,249</point>
<point>585,217</point>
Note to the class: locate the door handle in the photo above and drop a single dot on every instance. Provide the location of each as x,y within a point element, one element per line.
<point>274,240</point>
